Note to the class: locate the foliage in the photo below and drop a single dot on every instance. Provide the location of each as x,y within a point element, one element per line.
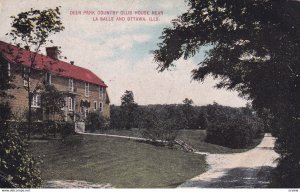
<point>202,120</point>
<point>16,163</point>
<point>286,174</point>
<point>189,113</point>
<point>35,26</point>
<point>188,102</point>
<point>94,121</point>
<point>232,127</point>
<point>116,120</point>
<point>5,112</point>
<point>156,125</point>
<point>32,29</point>
<point>233,131</point>
<point>254,50</point>
<point>66,129</point>
<point>200,116</point>
<point>268,121</point>
<point>17,167</point>
<point>129,109</point>
<point>52,101</point>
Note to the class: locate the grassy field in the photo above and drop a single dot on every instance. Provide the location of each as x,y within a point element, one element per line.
<point>195,138</point>
<point>120,162</point>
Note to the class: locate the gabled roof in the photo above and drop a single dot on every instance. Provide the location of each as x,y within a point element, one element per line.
<point>21,56</point>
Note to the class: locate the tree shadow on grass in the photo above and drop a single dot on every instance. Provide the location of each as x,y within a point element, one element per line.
<point>240,177</point>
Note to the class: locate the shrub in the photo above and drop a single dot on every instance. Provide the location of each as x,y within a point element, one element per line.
<point>95,121</point>
<point>286,174</point>
<point>5,112</point>
<point>154,126</point>
<point>16,164</point>
<point>236,131</point>
<point>66,129</point>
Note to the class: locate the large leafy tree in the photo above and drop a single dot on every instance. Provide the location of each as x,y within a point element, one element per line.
<point>254,49</point>
<point>129,109</point>
<point>31,30</point>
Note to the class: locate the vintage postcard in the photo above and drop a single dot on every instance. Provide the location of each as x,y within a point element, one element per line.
<point>147,94</point>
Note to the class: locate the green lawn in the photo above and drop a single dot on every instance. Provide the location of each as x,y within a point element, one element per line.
<point>120,162</point>
<point>195,138</point>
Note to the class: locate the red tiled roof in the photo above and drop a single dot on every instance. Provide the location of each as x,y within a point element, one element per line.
<point>18,55</point>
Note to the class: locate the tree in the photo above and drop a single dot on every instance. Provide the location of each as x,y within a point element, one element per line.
<point>129,109</point>
<point>202,120</point>
<point>32,29</point>
<point>188,102</point>
<point>255,51</point>
<point>52,101</point>
<point>189,113</point>
<point>17,167</point>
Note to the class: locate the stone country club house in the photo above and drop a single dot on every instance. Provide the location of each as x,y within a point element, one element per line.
<point>84,91</point>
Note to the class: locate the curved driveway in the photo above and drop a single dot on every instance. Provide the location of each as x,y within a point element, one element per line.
<point>239,170</point>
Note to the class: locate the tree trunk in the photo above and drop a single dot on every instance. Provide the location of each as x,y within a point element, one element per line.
<point>29,115</point>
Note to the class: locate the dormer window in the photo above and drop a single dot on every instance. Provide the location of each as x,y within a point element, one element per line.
<point>71,85</point>
<point>87,89</point>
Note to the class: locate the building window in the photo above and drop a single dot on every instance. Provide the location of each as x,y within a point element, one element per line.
<point>48,78</point>
<point>87,89</point>
<point>8,69</point>
<point>95,105</point>
<point>71,85</point>
<point>70,104</point>
<point>102,92</point>
<point>26,76</point>
<point>100,106</point>
<point>84,111</point>
<point>36,101</point>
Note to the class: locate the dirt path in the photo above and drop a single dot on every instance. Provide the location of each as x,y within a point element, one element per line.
<point>73,184</point>
<point>239,170</point>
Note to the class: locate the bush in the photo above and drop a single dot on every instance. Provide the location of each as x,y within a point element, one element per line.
<point>286,174</point>
<point>155,126</point>
<point>66,129</point>
<point>5,112</point>
<point>236,131</point>
<point>95,121</point>
<point>16,164</point>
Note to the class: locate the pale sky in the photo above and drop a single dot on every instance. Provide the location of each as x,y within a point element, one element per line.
<point>119,51</point>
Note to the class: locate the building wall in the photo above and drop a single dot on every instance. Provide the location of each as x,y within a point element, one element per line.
<point>20,103</point>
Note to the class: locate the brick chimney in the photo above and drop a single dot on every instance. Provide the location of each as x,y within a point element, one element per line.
<point>52,52</point>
